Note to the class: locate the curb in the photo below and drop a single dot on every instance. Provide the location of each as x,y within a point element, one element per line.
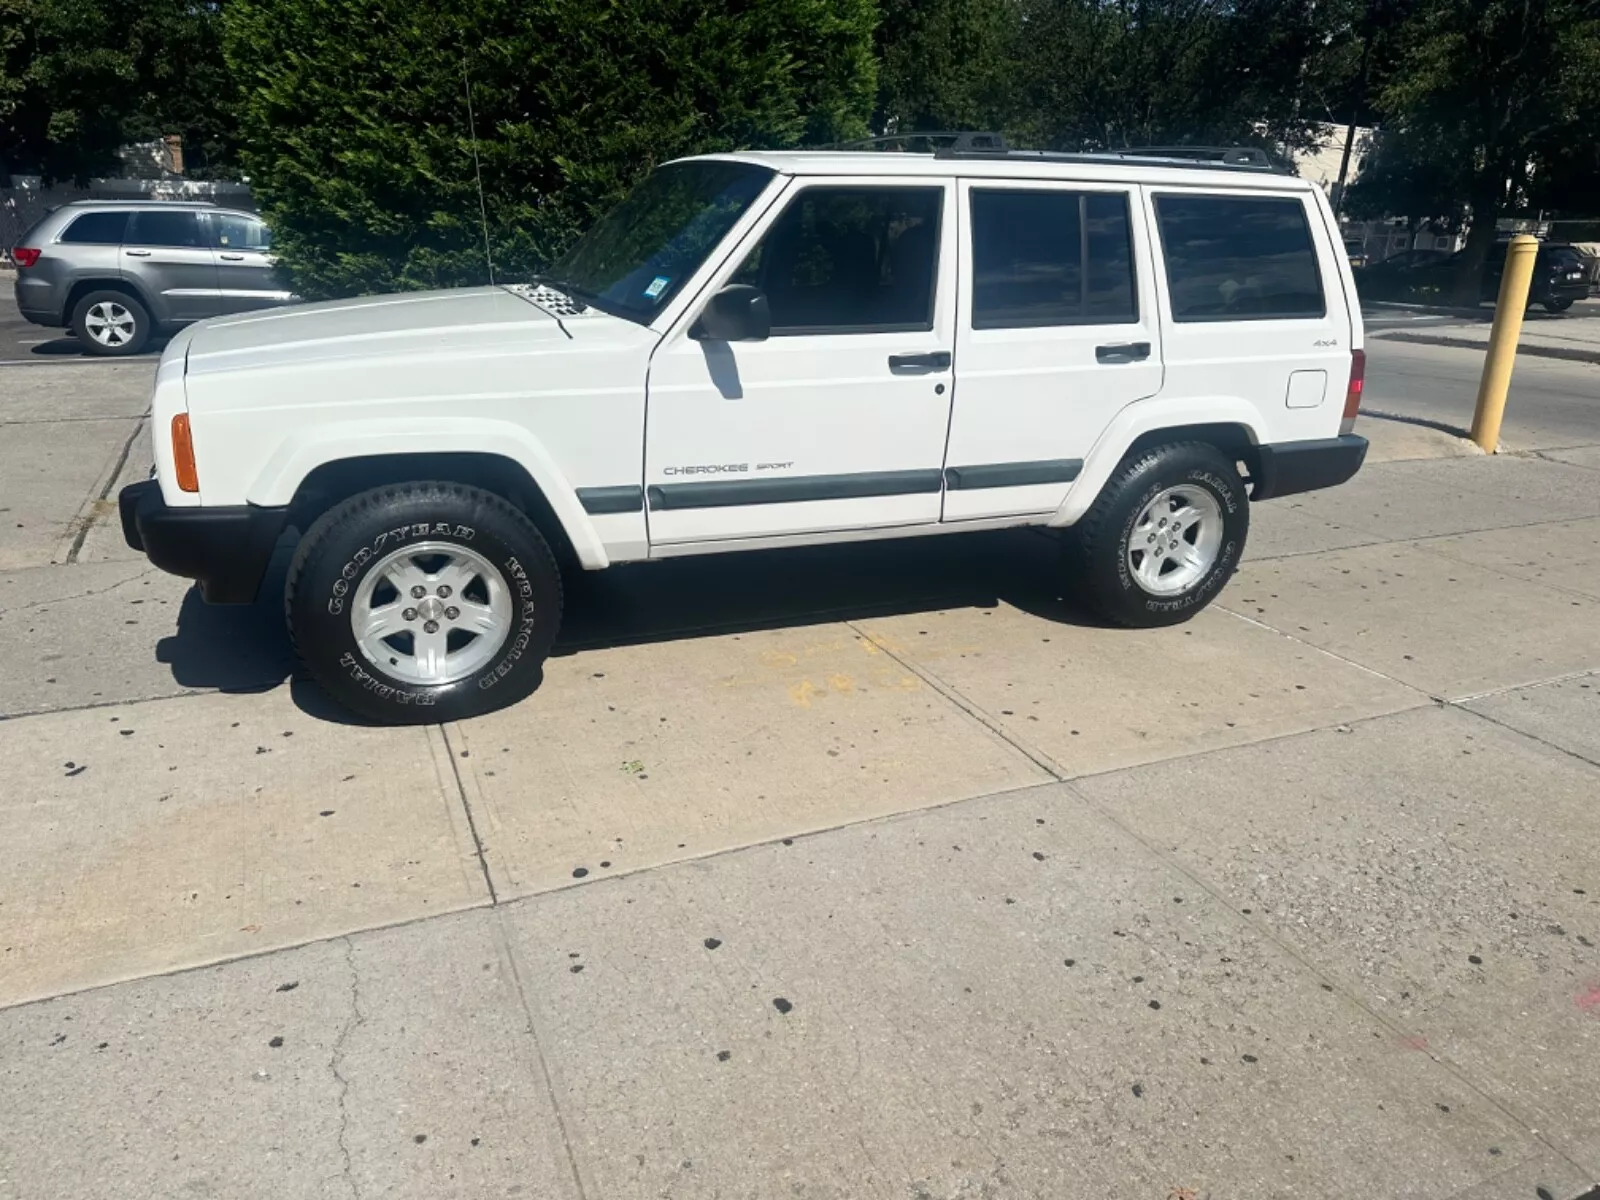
<point>1432,339</point>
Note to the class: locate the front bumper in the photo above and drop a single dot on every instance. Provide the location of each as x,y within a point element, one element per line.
<point>1290,467</point>
<point>226,549</point>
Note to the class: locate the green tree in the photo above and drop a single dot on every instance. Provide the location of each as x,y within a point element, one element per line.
<point>358,138</point>
<point>946,64</point>
<point>1490,83</point>
<point>80,78</point>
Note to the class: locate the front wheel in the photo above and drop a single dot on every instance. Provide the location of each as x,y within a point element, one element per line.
<point>424,602</point>
<point>1556,306</point>
<point>1164,536</point>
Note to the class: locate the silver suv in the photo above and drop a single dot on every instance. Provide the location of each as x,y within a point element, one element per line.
<point>119,272</point>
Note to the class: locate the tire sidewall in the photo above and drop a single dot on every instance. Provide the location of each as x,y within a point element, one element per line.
<point>346,552</point>
<point>141,318</point>
<point>1183,466</point>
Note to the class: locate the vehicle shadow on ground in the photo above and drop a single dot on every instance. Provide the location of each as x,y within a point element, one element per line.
<point>68,346</point>
<point>247,649</point>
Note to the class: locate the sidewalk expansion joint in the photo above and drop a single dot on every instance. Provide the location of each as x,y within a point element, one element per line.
<point>89,518</point>
<point>466,807</point>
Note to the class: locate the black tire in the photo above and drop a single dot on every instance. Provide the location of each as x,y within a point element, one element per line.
<point>1099,552</point>
<point>1556,306</point>
<point>95,307</point>
<point>346,543</point>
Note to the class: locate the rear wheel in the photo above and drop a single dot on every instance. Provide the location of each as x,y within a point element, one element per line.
<point>424,602</point>
<point>1164,536</point>
<point>111,323</point>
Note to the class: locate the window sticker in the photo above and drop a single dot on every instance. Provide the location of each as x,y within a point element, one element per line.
<point>657,286</point>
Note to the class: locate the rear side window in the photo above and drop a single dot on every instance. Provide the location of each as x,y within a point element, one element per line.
<point>230,232</point>
<point>850,260</point>
<point>1239,258</point>
<point>1051,258</point>
<point>96,229</point>
<point>163,229</point>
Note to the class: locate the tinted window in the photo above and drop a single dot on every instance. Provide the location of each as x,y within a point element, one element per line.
<point>97,229</point>
<point>163,229</point>
<point>229,232</point>
<point>1563,259</point>
<point>1233,258</point>
<point>1050,258</point>
<point>850,259</point>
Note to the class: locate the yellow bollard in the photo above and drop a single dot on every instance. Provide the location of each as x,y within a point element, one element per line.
<point>1508,311</point>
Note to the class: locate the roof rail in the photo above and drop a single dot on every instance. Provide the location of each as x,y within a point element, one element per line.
<point>958,140</point>
<point>1211,158</point>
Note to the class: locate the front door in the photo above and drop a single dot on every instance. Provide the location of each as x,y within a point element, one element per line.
<point>165,251</point>
<point>837,421</point>
<point>1058,333</point>
<point>247,274</point>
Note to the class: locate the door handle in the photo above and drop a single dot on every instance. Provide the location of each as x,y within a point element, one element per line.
<point>1122,352</point>
<point>137,253</point>
<point>231,257</point>
<point>920,364</point>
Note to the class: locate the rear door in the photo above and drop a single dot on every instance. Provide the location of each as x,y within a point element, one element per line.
<point>165,251</point>
<point>1057,332</point>
<point>1253,305</point>
<point>247,275</point>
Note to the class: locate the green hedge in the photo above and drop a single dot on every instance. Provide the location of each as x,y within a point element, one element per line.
<point>355,127</point>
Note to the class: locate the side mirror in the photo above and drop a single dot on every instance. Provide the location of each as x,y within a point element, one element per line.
<point>738,313</point>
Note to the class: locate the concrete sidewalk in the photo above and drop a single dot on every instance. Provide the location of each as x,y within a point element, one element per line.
<point>874,871</point>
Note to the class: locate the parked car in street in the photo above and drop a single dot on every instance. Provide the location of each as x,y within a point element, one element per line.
<point>760,350</point>
<point>120,272</point>
<point>1428,276</point>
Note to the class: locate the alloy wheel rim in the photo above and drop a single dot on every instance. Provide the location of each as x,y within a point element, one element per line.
<point>1174,542</point>
<point>431,613</point>
<point>109,323</point>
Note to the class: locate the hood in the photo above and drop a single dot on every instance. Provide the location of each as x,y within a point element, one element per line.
<point>459,321</point>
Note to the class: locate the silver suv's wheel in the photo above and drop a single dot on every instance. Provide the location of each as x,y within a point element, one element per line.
<point>111,323</point>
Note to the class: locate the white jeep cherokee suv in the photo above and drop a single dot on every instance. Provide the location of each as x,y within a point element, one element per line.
<point>769,349</point>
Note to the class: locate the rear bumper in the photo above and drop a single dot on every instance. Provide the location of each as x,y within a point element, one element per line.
<point>37,300</point>
<point>1290,467</point>
<point>225,549</point>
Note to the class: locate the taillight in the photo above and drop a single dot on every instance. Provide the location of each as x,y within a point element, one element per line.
<point>1352,395</point>
<point>183,454</point>
<point>24,256</point>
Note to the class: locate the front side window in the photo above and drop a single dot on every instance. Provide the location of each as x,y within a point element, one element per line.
<point>850,260</point>
<point>1238,258</point>
<point>1051,258</point>
<point>636,257</point>
<point>231,232</point>
<point>96,229</point>
<point>164,229</point>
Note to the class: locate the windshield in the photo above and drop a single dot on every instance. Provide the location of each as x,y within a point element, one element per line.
<point>636,257</point>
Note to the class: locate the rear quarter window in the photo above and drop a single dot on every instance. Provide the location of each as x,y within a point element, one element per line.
<point>1239,258</point>
<point>96,229</point>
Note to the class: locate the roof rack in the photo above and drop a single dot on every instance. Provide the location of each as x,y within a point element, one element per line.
<point>1229,158</point>
<point>959,140</point>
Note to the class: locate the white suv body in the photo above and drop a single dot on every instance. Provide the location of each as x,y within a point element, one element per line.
<point>817,347</point>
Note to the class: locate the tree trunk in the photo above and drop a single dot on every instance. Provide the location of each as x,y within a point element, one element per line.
<point>1488,192</point>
